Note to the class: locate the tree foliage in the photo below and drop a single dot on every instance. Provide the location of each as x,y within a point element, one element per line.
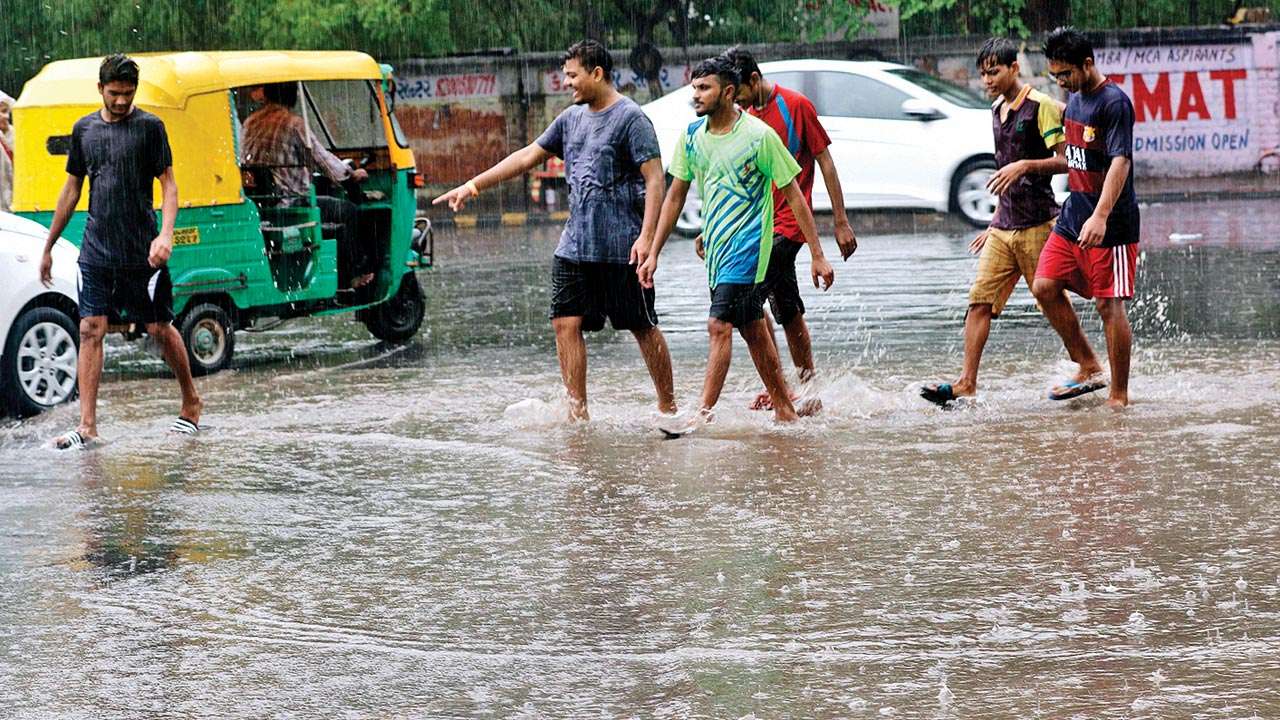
<point>34,32</point>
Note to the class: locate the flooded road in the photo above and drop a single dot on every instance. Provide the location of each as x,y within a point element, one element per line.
<point>365,531</point>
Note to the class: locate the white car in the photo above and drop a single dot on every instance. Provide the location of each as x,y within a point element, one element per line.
<point>900,138</point>
<point>40,326</point>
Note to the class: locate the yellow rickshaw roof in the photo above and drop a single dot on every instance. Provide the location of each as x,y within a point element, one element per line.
<point>168,79</point>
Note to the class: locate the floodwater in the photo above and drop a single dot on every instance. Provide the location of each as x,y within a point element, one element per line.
<point>365,531</point>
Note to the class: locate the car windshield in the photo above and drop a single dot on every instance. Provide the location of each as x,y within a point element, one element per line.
<point>953,94</point>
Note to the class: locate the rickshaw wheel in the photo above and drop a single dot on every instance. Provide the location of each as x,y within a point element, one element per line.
<point>209,337</point>
<point>398,318</point>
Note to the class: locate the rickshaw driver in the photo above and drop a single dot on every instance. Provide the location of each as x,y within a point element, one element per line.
<point>277,137</point>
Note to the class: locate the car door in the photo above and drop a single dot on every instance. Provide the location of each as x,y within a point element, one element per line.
<point>883,156</point>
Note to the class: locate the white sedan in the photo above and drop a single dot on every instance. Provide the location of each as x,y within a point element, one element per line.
<point>900,138</point>
<point>39,326</point>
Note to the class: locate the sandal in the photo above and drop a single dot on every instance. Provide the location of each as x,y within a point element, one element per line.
<point>183,426</point>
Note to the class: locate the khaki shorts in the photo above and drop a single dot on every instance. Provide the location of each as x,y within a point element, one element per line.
<point>1006,256</point>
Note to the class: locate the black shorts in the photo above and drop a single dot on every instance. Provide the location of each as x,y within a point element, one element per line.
<point>738,304</point>
<point>595,290</point>
<point>780,279</point>
<point>126,295</point>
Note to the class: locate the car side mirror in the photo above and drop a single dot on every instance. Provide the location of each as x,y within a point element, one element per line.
<point>918,109</point>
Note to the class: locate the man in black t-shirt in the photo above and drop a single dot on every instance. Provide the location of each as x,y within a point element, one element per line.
<point>123,258</point>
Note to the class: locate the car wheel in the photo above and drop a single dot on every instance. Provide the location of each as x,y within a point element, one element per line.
<point>969,195</point>
<point>209,336</point>
<point>397,319</point>
<point>39,365</point>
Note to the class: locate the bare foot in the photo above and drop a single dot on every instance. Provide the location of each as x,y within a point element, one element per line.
<point>192,411</point>
<point>578,411</point>
<point>764,402</point>
<point>809,407</point>
<point>1087,372</point>
<point>1118,403</point>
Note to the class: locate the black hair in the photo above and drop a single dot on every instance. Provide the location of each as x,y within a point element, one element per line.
<point>281,93</point>
<point>591,55</point>
<point>118,68</point>
<point>743,62</point>
<point>719,66</point>
<point>1068,45</point>
<point>998,51</point>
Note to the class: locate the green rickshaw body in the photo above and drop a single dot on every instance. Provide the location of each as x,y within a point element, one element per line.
<point>236,248</point>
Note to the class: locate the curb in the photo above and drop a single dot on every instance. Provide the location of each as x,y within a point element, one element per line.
<point>1207,195</point>
<point>492,220</point>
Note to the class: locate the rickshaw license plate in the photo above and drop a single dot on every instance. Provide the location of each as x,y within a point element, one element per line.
<point>186,236</point>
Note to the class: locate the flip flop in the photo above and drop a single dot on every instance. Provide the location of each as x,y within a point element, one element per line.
<point>1077,388</point>
<point>71,440</point>
<point>677,427</point>
<point>183,426</point>
<point>940,394</point>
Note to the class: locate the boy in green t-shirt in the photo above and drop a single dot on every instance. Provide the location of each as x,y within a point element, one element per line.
<point>736,159</point>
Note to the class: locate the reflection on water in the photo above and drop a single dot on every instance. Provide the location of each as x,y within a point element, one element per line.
<point>379,530</point>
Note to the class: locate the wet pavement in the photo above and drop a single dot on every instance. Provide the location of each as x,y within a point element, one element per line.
<point>369,531</point>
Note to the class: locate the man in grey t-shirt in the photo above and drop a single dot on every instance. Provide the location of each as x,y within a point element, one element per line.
<point>616,185</point>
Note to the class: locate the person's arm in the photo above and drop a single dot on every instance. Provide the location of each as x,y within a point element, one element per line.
<point>1095,228</point>
<point>654,180</point>
<point>323,160</point>
<point>671,207</point>
<point>517,163</point>
<point>804,217</point>
<point>1049,128</point>
<point>1004,178</point>
<point>68,198</point>
<point>162,246</point>
<point>845,238</point>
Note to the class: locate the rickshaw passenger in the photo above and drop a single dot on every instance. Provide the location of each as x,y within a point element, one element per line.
<point>277,137</point>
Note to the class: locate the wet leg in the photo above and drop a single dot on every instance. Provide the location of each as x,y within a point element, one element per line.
<point>571,349</point>
<point>89,372</point>
<point>175,356</point>
<point>718,357</point>
<point>1051,294</point>
<point>765,356</point>
<point>977,327</point>
<point>1115,323</point>
<point>653,347</point>
<point>800,346</point>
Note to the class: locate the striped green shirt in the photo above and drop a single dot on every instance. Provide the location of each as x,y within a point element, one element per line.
<point>735,174</point>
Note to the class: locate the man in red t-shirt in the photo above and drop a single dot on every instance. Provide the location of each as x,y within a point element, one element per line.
<point>795,119</point>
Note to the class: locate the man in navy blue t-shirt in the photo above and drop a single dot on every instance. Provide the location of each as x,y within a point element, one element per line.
<point>1093,249</point>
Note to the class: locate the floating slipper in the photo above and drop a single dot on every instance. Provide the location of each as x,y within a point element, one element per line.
<point>676,427</point>
<point>1072,388</point>
<point>72,440</point>
<point>183,426</point>
<point>939,394</point>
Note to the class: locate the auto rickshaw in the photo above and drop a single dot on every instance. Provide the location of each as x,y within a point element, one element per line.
<point>244,256</point>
